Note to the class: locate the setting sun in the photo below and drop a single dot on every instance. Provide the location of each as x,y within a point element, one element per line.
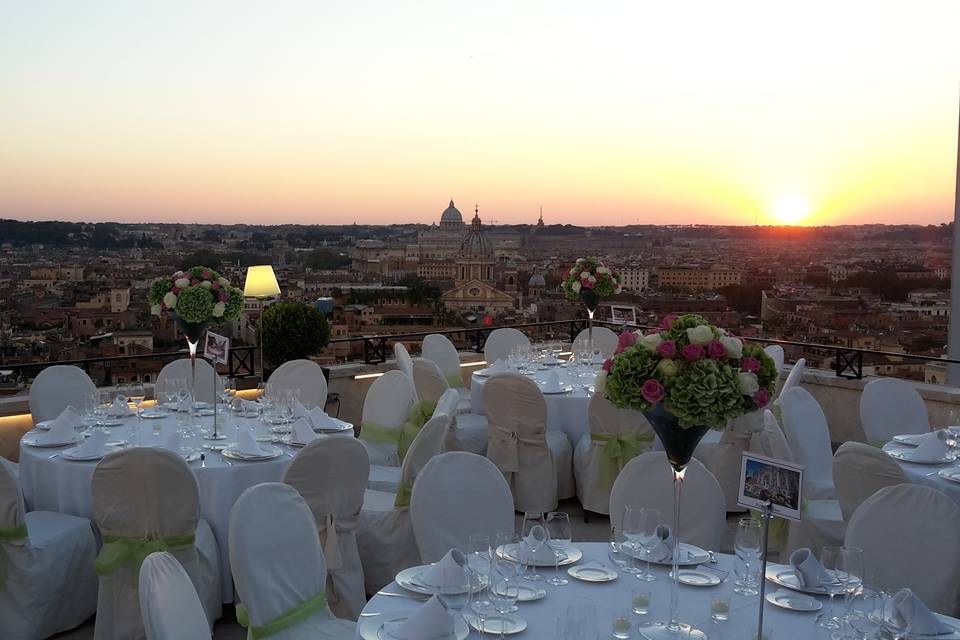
<point>792,210</point>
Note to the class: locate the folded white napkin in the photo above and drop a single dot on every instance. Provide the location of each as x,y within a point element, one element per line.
<point>61,429</point>
<point>552,382</point>
<point>931,447</point>
<point>120,408</point>
<point>247,444</point>
<point>663,550</point>
<point>448,573</point>
<point>544,554</point>
<point>298,409</point>
<point>809,571</point>
<point>69,414</point>
<point>498,366</point>
<point>922,621</point>
<point>302,431</point>
<point>92,446</point>
<point>319,419</point>
<point>432,621</point>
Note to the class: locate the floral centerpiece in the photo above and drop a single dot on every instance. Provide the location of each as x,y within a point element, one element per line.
<point>591,281</point>
<point>686,378</point>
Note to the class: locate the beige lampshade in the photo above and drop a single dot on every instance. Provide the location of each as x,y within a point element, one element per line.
<point>261,282</point>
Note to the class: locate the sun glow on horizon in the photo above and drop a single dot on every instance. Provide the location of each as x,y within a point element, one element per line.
<point>791,210</point>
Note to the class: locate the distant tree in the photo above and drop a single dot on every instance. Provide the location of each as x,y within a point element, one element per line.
<point>324,259</point>
<point>202,259</point>
<point>291,331</point>
<point>744,298</point>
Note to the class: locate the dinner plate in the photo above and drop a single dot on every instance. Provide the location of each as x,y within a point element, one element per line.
<point>410,580</point>
<point>110,422</point>
<point>506,624</point>
<point>910,439</point>
<point>153,415</point>
<point>696,578</point>
<point>785,576</point>
<point>526,591</point>
<point>378,627</point>
<point>334,428</point>
<point>289,441</point>
<point>787,599</point>
<point>33,441</point>
<point>560,390</point>
<point>234,454</point>
<point>510,553</point>
<point>201,412</point>
<point>905,456</point>
<point>70,454</point>
<point>592,572</point>
<point>689,555</point>
<point>950,474</point>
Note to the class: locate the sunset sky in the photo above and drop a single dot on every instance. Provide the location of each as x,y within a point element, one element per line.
<point>379,112</point>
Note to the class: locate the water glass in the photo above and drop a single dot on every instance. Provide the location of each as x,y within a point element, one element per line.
<point>832,559</point>
<point>640,529</point>
<point>479,558</point>
<point>479,602</point>
<point>503,597</point>
<point>617,554</point>
<point>747,561</point>
<point>620,624</point>
<point>720,609</point>
<point>534,534</point>
<point>640,601</point>
<point>559,537</point>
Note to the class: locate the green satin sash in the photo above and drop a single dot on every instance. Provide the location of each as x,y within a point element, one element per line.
<point>403,496</point>
<point>14,533</point>
<point>419,414</point>
<point>288,620</point>
<point>455,380</point>
<point>618,450</point>
<point>118,551</point>
<point>378,434</point>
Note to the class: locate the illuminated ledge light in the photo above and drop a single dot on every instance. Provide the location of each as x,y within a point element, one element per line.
<point>463,365</point>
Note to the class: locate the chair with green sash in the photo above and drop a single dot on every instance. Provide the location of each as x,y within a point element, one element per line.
<point>405,363</point>
<point>502,342</point>
<point>469,430</point>
<point>146,500</point>
<point>169,604</point>
<point>386,410</point>
<point>438,348</point>
<point>331,475</point>
<point>616,436</point>
<point>47,581</point>
<point>279,568</point>
<point>384,530</point>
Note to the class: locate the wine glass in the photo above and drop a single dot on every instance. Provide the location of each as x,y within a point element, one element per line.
<point>617,554</point>
<point>506,563</point>
<point>747,562</point>
<point>479,602</point>
<point>832,559</point>
<point>102,407</point>
<point>478,558</point>
<point>865,614</point>
<point>534,535</point>
<point>559,537</point>
<point>136,395</point>
<point>894,625</point>
<point>851,576</point>
<point>503,597</point>
<point>640,529</point>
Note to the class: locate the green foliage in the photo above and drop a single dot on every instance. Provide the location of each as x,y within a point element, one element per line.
<point>630,369</point>
<point>201,258</point>
<point>159,288</point>
<point>706,393</point>
<point>678,329</point>
<point>324,259</point>
<point>290,331</point>
<point>195,304</point>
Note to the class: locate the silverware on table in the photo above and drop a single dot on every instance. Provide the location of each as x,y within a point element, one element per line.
<point>408,596</point>
<point>713,557</point>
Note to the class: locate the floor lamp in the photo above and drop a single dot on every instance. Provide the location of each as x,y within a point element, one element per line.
<point>261,284</point>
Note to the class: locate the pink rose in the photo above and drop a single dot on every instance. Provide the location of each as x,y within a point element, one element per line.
<point>667,349</point>
<point>693,352</point>
<point>750,365</point>
<point>194,281</point>
<point>207,274</point>
<point>224,296</point>
<point>175,290</point>
<point>586,283</point>
<point>667,321</point>
<point>716,350</point>
<point>626,339</point>
<point>761,397</point>
<point>608,364</point>
<point>215,286</point>
<point>652,391</point>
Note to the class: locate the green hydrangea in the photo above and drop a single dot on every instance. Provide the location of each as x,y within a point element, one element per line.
<point>626,377</point>
<point>159,288</point>
<point>195,304</point>
<point>678,329</point>
<point>705,392</point>
<point>234,303</point>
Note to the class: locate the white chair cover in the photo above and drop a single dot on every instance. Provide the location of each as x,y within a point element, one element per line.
<point>809,437</point>
<point>536,464</point>
<point>304,376</point>
<point>469,432</point>
<point>603,339</point>
<point>458,494</point>
<point>385,411</point>
<point>622,429</point>
<point>890,407</point>
<point>47,581</point>
<point>908,534</point>
<point>278,564</point>
<point>170,605</point>
<point>775,351</point>
<point>722,458</point>
<point>501,342</point>
<point>331,475</point>
<point>437,347</point>
<point>205,390</point>
<point>148,495</point>
<point>57,387</point>
<point>859,471</point>
<point>647,481</point>
<point>405,364</point>
<point>771,442</point>
<point>385,531</point>
<point>794,378</point>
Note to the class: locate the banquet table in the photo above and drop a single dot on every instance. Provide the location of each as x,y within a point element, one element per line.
<point>545,616</point>
<point>53,483</point>
<point>927,475</point>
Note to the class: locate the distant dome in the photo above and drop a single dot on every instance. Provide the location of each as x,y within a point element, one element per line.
<point>451,216</point>
<point>475,243</point>
<point>537,280</point>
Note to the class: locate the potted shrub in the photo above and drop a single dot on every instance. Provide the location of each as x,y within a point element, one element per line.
<point>290,331</point>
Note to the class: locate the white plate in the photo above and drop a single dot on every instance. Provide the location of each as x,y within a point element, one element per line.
<point>910,439</point>
<point>510,553</point>
<point>232,453</point>
<point>695,578</point>
<point>793,601</point>
<point>508,624</point>
<point>111,422</point>
<point>527,591</point>
<point>32,441</point>
<point>785,576</point>
<point>952,474</point>
<point>290,442</point>
<point>70,455</point>
<point>555,392</point>
<point>689,555</point>
<point>592,572</point>
<point>410,580</point>
<point>334,428</point>
<point>153,415</point>
<point>372,627</point>
<point>203,412</point>
<point>907,457</point>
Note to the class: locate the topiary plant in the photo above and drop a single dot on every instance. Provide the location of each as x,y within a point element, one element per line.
<point>290,331</point>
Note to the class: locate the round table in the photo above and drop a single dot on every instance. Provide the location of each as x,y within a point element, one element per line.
<point>927,475</point>
<point>543,616</point>
<point>53,483</point>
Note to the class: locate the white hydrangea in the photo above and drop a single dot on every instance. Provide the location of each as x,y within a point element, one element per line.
<point>206,284</point>
<point>170,300</point>
<point>219,309</point>
<point>734,346</point>
<point>700,335</point>
<point>749,384</point>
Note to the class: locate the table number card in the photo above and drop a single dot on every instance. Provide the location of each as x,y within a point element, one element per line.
<point>216,349</point>
<point>768,480</point>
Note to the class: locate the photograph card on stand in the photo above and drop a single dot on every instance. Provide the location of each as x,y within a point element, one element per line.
<point>766,480</point>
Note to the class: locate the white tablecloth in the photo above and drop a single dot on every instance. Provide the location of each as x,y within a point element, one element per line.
<point>542,616</point>
<point>927,474</point>
<point>57,484</point>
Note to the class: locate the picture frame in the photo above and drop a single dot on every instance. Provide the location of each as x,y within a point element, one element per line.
<point>765,480</point>
<point>216,348</point>
<point>623,314</point>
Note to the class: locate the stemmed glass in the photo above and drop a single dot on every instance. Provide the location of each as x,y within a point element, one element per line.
<point>851,576</point>
<point>479,559</point>
<point>503,596</point>
<point>501,563</point>
<point>102,407</point>
<point>640,529</point>
<point>747,562</point>
<point>136,395</point>
<point>617,554</point>
<point>559,537</point>
<point>479,603</point>
<point>534,535</point>
<point>894,625</point>
<point>832,559</point>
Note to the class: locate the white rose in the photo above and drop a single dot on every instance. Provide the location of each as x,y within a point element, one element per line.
<point>700,335</point>
<point>178,274</point>
<point>206,284</point>
<point>600,383</point>
<point>155,309</point>
<point>584,274</point>
<point>170,300</point>
<point>651,342</point>
<point>224,282</point>
<point>749,384</point>
<point>603,270</point>
<point>733,346</point>
<point>573,270</point>
<point>183,283</point>
<point>219,309</point>
<point>592,279</point>
<point>575,287</point>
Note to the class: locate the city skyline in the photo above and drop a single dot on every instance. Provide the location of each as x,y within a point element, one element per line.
<point>613,114</point>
